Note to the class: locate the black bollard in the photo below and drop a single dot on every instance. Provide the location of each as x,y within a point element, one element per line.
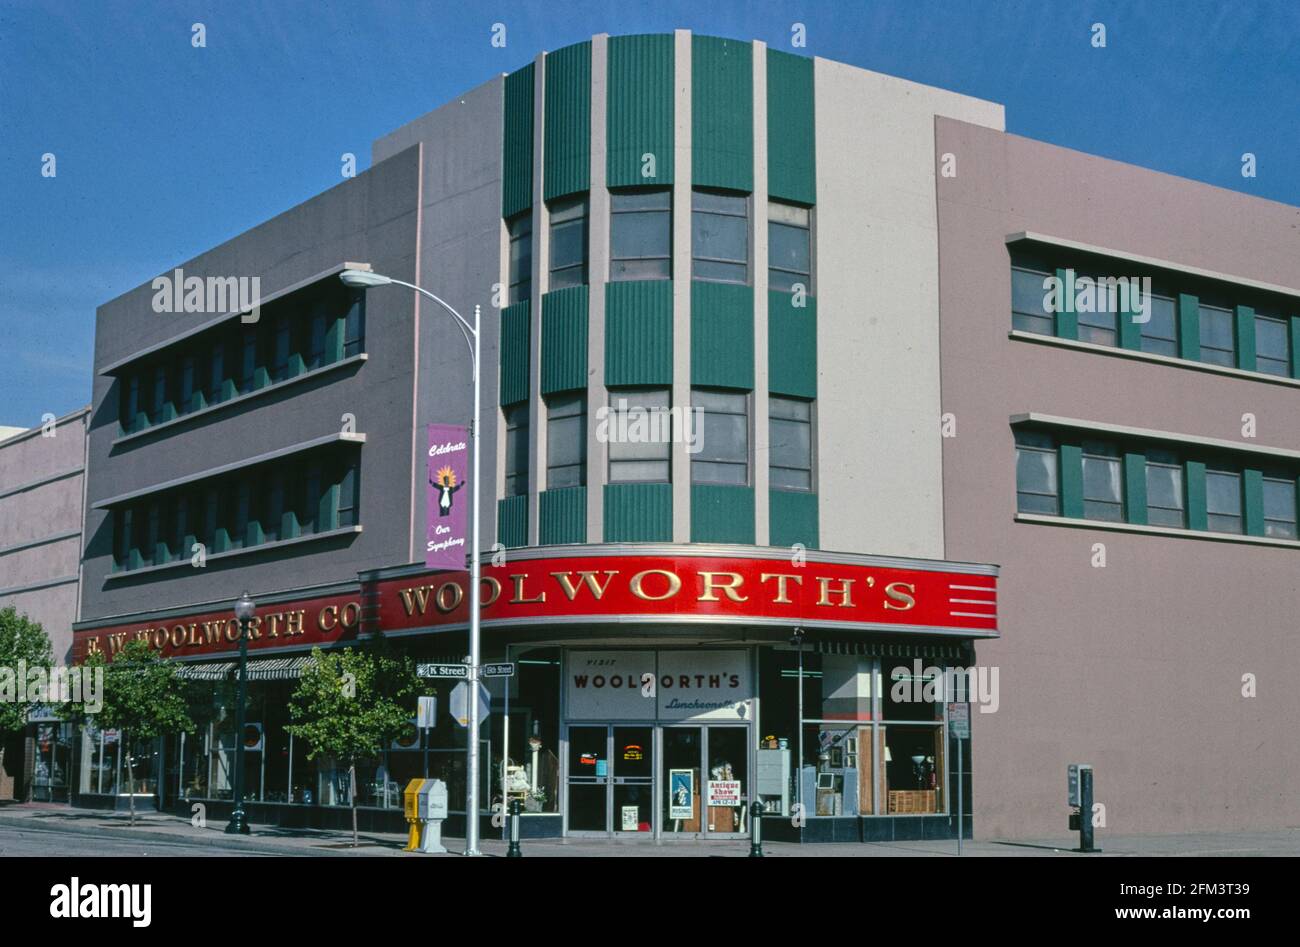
<point>513,851</point>
<point>755,829</point>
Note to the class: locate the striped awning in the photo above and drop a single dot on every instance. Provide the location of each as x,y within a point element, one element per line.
<point>211,671</point>
<point>277,669</point>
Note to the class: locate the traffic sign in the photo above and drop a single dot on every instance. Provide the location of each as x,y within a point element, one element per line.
<point>427,715</point>
<point>499,670</point>
<point>459,705</point>
<point>959,720</point>
<point>443,670</point>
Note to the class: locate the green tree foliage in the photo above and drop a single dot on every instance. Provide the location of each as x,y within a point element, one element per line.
<point>349,704</point>
<point>143,697</point>
<point>21,641</point>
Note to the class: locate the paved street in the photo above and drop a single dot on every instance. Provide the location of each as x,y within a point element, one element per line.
<point>59,830</point>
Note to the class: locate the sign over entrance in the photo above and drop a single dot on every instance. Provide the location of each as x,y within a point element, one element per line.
<point>659,685</point>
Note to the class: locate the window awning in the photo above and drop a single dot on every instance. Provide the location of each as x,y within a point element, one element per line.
<point>213,671</point>
<point>277,669</point>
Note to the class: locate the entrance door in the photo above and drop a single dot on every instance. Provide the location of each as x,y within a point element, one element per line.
<point>53,756</point>
<point>611,780</point>
<point>705,781</point>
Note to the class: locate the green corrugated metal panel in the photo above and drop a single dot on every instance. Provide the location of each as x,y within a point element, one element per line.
<point>1067,321</point>
<point>1252,482</point>
<point>564,339</point>
<point>1135,486</point>
<point>514,352</point>
<point>562,516</point>
<point>638,512</point>
<point>722,335</point>
<point>1189,328</point>
<point>722,113</point>
<point>1072,481</point>
<point>639,333</point>
<point>1197,517</point>
<point>1244,323</point>
<point>791,345</point>
<point>517,143</point>
<point>721,514</point>
<point>791,140</point>
<point>639,114</point>
<point>792,518</point>
<point>568,121</point>
<point>1295,346</point>
<point>512,521</point>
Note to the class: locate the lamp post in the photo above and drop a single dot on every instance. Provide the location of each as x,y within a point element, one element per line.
<point>796,639</point>
<point>364,279</point>
<point>245,608</point>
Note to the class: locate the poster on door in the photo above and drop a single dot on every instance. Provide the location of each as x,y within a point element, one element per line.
<point>681,794</point>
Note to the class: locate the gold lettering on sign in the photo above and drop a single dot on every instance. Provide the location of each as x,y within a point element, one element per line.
<point>159,637</point>
<point>332,613</point>
<point>908,600</point>
<point>255,628</point>
<point>273,624</point>
<point>587,578</point>
<point>712,583</point>
<point>232,630</point>
<point>518,598</point>
<point>416,599</point>
<point>782,594</point>
<point>638,581</point>
<point>845,592</point>
<point>92,646</point>
<point>212,631</point>
<point>177,637</point>
<point>293,625</point>
<point>441,599</point>
<point>192,635</point>
<point>495,593</point>
<point>350,617</point>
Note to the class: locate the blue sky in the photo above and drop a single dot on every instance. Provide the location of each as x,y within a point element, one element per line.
<point>165,150</point>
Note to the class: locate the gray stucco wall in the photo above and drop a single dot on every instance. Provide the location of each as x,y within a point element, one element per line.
<point>370,219</point>
<point>459,261</point>
<point>1136,667</point>
<point>41,482</point>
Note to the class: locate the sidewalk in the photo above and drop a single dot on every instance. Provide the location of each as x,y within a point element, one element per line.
<point>58,820</point>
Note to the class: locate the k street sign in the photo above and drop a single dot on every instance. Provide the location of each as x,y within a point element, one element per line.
<point>443,670</point>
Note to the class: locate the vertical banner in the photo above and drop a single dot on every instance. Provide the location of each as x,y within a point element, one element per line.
<point>447,538</point>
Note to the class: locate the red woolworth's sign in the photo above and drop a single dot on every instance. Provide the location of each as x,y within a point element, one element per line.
<point>700,588</point>
<point>595,589</point>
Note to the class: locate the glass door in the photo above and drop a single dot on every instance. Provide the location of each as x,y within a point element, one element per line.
<point>633,779</point>
<point>683,755</point>
<point>726,808</point>
<point>589,779</point>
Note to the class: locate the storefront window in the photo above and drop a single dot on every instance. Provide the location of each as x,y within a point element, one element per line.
<point>839,781</point>
<point>532,769</point>
<point>914,763</point>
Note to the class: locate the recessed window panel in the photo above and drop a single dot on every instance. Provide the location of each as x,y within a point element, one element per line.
<point>1272,349</point>
<point>1280,507</point>
<point>568,243</point>
<point>516,456</point>
<point>639,433</point>
<point>1160,332</point>
<point>1037,489</point>
<point>1028,312</point>
<point>1166,497</point>
<point>641,235</point>
<point>790,444</point>
<point>566,441</point>
<point>722,431</point>
<point>1223,501</point>
<point>1103,493</point>
<point>1218,344</point>
<point>720,237</point>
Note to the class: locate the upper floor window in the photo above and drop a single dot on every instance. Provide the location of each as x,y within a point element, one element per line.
<point>566,440</point>
<point>1272,348</point>
<point>639,433</point>
<point>1218,342</point>
<point>1103,482</point>
<point>789,247</point>
<point>1166,496</point>
<point>721,448</point>
<point>790,465</point>
<point>1097,323</point>
<point>1279,505</point>
<point>1160,332</point>
<point>568,243</point>
<point>720,237</point>
<point>517,449</point>
<point>640,235</point>
<point>1036,473</point>
<point>520,274</point>
<point>1029,312</point>
<point>1223,501</point>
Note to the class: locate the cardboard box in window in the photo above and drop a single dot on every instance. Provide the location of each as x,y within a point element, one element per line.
<point>912,801</point>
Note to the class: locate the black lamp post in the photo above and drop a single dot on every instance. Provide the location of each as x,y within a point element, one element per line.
<point>244,610</point>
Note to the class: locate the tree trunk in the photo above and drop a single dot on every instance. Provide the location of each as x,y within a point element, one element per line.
<point>130,778</point>
<point>352,794</point>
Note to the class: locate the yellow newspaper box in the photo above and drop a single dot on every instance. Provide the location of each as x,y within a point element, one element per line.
<point>411,807</point>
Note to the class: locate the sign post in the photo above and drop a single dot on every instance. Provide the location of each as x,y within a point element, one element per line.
<point>959,727</point>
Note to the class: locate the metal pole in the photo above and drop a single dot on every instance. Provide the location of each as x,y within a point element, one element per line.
<point>960,802</point>
<point>798,773</point>
<point>1085,809</point>
<point>756,829</point>
<point>238,824</point>
<point>514,851</point>
<point>475,607</point>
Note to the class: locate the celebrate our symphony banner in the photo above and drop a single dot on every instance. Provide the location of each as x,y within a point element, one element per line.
<point>447,539</point>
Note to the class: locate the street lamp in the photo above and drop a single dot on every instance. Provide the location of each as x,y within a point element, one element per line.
<point>245,608</point>
<point>364,279</point>
<point>796,639</point>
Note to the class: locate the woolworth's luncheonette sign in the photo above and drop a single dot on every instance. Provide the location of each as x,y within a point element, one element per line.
<point>591,586</point>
